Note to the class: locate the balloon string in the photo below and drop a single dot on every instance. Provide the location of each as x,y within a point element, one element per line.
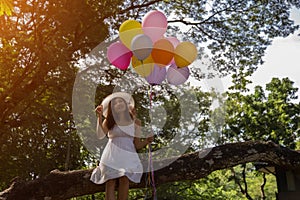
<point>152,172</point>
<point>143,68</point>
<point>148,179</point>
<point>150,165</point>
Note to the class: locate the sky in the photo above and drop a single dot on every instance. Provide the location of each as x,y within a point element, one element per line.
<point>282,59</point>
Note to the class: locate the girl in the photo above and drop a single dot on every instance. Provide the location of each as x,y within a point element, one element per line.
<point>119,161</point>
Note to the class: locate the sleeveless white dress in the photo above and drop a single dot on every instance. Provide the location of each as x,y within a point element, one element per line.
<point>119,157</point>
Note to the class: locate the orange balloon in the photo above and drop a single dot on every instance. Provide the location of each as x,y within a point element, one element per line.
<point>144,67</point>
<point>185,53</point>
<point>162,52</point>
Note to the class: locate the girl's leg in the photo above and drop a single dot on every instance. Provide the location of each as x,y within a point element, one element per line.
<point>123,188</point>
<point>110,189</point>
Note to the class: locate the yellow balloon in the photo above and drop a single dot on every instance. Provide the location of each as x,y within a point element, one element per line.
<point>185,53</point>
<point>128,30</point>
<point>143,68</point>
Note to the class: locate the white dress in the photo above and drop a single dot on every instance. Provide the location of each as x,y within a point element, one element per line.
<point>119,157</point>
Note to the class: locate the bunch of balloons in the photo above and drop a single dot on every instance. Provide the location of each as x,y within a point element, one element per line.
<point>151,54</point>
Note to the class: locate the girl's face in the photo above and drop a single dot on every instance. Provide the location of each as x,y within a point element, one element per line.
<point>119,105</point>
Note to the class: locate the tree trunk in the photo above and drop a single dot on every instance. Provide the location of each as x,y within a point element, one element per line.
<point>63,185</point>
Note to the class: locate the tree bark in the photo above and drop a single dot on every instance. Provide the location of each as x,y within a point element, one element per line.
<point>59,185</point>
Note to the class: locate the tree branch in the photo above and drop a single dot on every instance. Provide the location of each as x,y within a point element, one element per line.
<point>245,183</point>
<point>262,187</point>
<point>63,185</point>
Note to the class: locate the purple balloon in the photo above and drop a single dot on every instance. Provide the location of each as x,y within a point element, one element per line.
<point>177,76</point>
<point>157,76</point>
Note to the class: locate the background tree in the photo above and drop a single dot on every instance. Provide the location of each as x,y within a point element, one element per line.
<point>264,115</point>
<point>39,43</point>
<point>269,114</point>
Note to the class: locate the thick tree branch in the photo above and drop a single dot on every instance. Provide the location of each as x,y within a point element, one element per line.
<point>64,185</point>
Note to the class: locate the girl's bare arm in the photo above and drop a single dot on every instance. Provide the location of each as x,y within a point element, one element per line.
<point>101,129</point>
<point>138,143</point>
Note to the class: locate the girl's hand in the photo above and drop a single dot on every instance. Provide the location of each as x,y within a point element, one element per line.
<point>99,110</point>
<point>150,139</point>
<point>132,111</point>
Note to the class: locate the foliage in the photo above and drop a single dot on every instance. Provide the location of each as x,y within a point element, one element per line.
<point>218,185</point>
<point>38,45</point>
<point>236,32</point>
<point>264,115</point>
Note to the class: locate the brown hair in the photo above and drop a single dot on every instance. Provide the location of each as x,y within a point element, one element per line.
<point>110,119</point>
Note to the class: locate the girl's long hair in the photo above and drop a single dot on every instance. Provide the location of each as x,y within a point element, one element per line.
<point>110,119</point>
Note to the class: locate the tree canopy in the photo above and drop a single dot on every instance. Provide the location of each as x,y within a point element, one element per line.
<point>268,114</point>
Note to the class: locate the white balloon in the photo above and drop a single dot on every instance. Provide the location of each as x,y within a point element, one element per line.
<point>141,46</point>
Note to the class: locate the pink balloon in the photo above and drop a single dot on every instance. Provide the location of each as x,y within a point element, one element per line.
<point>119,55</point>
<point>177,76</point>
<point>154,24</point>
<point>175,42</point>
<point>157,76</point>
